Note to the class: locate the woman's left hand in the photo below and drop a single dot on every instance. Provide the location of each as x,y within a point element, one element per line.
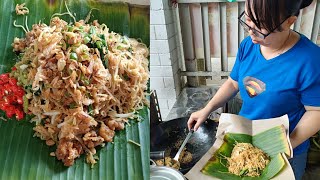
<point>308,125</point>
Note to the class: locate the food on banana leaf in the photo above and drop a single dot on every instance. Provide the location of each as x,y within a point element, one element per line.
<point>21,9</point>
<point>82,83</point>
<point>243,156</point>
<point>247,160</point>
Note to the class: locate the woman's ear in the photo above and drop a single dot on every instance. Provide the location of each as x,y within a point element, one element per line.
<point>290,21</point>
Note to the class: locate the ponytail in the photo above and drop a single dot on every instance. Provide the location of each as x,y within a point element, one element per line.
<point>305,3</point>
<point>293,6</point>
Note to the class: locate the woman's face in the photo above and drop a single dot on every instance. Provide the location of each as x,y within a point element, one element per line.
<point>265,42</point>
<point>251,24</point>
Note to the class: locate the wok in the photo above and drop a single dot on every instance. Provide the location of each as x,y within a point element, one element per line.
<point>166,136</point>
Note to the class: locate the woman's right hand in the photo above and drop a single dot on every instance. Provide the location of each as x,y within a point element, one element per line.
<point>197,118</point>
<point>228,90</point>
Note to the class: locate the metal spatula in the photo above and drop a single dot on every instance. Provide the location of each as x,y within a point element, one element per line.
<point>176,157</point>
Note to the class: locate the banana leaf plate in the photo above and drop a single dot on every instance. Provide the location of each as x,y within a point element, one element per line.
<point>272,141</point>
<point>23,156</point>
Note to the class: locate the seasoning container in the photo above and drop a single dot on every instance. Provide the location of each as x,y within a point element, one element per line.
<point>157,155</point>
<point>164,173</point>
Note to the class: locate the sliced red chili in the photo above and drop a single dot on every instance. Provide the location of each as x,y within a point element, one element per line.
<point>19,114</point>
<point>11,97</point>
<point>13,82</point>
<point>4,77</point>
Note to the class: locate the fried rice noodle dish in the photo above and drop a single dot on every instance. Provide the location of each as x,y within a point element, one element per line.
<point>247,160</point>
<point>82,83</point>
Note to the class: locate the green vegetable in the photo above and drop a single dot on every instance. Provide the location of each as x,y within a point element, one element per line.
<point>73,56</point>
<point>99,44</point>
<point>37,93</point>
<point>126,77</point>
<point>243,172</point>
<point>84,79</point>
<point>72,105</point>
<point>28,87</point>
<point>86,39</point>
<point>66,94</point>
<point>106,62</point>
<point>86,82</point>
<point>70,28</point>
<point>103,39</point>
<point>25,104</point>
<point>90,110</point>
<point>124,39</point>
<point>92,30</point>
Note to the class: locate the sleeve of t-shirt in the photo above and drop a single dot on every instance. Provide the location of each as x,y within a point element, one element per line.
<point>235,70</point>
<point>310,84</point>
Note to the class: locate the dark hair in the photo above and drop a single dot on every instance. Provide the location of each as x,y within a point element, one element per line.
<point>270,13</point>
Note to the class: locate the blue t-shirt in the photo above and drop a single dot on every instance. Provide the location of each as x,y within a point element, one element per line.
<point>282,85</point>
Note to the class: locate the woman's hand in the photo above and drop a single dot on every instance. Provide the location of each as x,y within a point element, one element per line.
<point>308,125</point>
<point>228,90</point>
<point>197,118</point>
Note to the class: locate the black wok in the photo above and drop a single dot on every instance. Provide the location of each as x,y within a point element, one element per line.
<point>166,135</point>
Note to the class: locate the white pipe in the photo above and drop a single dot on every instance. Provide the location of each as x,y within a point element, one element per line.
<point>206,37</point>
<point>316,23</point>
<point>223,35</point>
<point>204,1</point>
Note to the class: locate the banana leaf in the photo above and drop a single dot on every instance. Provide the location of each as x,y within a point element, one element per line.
<point>272,141</point>
<point>23,156</point>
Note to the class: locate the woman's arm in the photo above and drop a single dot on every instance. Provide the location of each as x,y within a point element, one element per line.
<point>228,90</point>
<point>308,125</point>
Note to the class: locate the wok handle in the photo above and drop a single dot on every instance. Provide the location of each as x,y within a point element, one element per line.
<point>157,155</point>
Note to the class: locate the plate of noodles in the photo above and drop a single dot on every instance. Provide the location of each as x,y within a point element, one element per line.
<point>242,156</point>
<point>83,69</point>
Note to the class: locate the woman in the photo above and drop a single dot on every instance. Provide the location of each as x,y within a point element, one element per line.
<point>277,72</point>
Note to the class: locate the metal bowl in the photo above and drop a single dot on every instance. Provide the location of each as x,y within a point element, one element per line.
<point>164,173</point>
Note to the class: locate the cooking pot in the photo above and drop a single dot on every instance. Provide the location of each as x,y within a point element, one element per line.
<point>166,135</point>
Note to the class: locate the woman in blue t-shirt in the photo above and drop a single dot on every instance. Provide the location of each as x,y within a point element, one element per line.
<point>277,72</point>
